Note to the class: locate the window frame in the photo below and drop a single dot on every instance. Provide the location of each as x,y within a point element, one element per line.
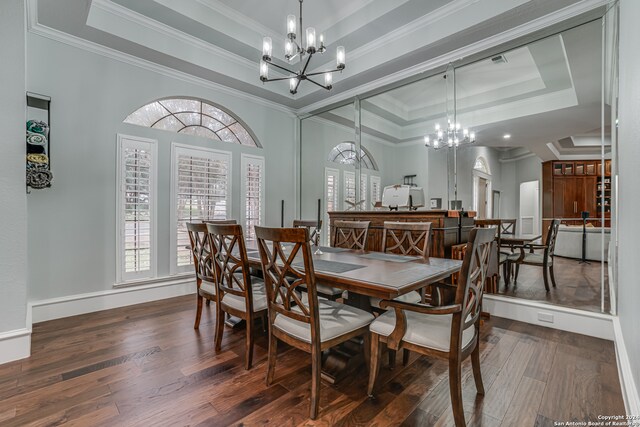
<point>245,160</point>
<point>122,276</point>
<point>336,174</point>
<point>176,149</point>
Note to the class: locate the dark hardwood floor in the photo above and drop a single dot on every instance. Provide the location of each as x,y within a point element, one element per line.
<point>578,285</point>
<point>145,365</point>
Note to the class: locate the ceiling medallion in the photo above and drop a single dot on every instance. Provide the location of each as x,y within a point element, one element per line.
<point>453,134</point>
<point>293,49</point>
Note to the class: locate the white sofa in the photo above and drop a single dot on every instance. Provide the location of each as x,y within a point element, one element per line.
<point>569,242</point>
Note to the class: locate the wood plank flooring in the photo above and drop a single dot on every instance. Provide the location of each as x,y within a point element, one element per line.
<point>578,285</point>
<point>144,365</point>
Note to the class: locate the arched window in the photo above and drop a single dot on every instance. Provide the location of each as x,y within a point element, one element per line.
<point>345,154</point>
<point>193,117</point>
<point>481,165</point>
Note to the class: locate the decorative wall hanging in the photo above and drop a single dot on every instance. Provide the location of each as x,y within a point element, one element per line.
<point>38,170</point>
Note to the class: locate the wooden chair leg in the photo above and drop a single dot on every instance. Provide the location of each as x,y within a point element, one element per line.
<point>392,359</point>
<point>208,302</point>
<point>545,273</point>
<point>271,358</point>
<point>316,365</point>
<point>553,277</point>
<point>515,277</point>
<point>475,365</point>
<point>455,392</point>
<point>248,358</point>
<point>198,311</point>
<point>374,367</point>
<point>367,350</point>
<point>219,328</point>
<point>405,357</point>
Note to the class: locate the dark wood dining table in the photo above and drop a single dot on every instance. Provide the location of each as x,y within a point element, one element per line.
<point>366,274</point>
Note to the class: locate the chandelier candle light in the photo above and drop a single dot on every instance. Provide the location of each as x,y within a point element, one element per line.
<point>294,49</point>
<point>454,134</point>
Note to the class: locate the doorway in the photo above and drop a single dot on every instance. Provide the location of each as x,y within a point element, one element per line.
<point>482,198</point>
<point>529,211</point>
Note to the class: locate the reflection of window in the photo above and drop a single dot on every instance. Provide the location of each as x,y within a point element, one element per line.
<point>200,192</point>
<point>136,206</point>
<point>363,191</point>
<point>253,190</point>
<point>192,117</point>
<point>481,165</point>
<point>331,186</point>
<point>349,193</point>
<point>345,154</point>
<point>375,189</point>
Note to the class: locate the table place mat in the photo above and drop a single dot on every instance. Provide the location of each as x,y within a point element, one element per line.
<point>331,266</point>
<point>329,249</point>
<point>389,257</point>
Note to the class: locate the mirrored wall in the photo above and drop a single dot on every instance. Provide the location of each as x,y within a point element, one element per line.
<point>527,134</point>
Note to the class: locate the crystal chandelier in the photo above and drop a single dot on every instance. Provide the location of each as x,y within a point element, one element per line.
<point>293,50</point>
<point>453,134</point>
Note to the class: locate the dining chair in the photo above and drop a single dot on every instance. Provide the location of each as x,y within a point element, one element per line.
<point>205,274</point>
<point>239,293</point>
<point>309,324</point>
<point>406,238</point>
<point>220,221</point>
<point>350,234</point>
<point>314,228</point>
<point>544,259</point>
<point>450,332</point>
<point>498,258</point>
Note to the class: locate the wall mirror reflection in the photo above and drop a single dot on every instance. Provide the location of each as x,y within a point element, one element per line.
<point>520,140</point>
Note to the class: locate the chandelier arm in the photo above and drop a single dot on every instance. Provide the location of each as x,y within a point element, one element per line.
<point>323,72</point>
<point>317,84</point>
<point>276,79</point>
<point>282,68</point>
<point>306,64</point>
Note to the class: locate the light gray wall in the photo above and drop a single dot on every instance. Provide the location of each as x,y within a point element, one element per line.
<point>629,182</point>
<point>13,199</point>
<point>72,226</point>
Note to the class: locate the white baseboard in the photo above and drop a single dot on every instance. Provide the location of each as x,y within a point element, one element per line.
<point>630,391</point>
<point>56,308</point>
<point>567,319</point>
<point>15,345</point>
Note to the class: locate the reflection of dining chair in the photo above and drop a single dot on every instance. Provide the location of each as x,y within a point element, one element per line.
<point>239,294</point>
<point>205,274</point>
<point>309,324</point>
<point>350,234</point>
<point>314,228</point>
<point>544,259</point>
<point>406,238</point>
<point>450,332</point>
<point>497,258</point>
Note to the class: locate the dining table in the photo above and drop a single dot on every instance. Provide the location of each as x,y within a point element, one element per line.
<point>365,274</point>
<point>517,241</point>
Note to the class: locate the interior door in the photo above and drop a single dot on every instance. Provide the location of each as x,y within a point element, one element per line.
<point>482,198</point>
<point>529,207</point>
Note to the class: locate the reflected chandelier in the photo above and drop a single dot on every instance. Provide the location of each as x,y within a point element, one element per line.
<point>294,50</point>
<point>454,134</point>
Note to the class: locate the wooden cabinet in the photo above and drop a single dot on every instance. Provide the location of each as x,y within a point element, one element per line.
<point>570,188</point>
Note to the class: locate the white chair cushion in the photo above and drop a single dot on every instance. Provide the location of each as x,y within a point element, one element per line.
<point>325,290</point>
<point>335,320</point>
<point>259,297</point>
<point>531,258</point>
<point>426,330</point>
<point>209,288</point>
<point>413,297</point>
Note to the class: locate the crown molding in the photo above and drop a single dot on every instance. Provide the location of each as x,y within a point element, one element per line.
<point>331,123</point>
<point>516,158</point>
<point>77,42</point>
<point>456,55</point>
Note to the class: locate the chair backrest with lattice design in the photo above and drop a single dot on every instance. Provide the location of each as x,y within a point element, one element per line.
<point>220,221</point>
<point>201,252</point>
<point>552,233</point>
<point>472,280</point>
<point>230,261</point>
<point>407,238</point>
<point>286,260</point>
<point>313,226</point>
<point>508,226</point>
<point>350,234</point>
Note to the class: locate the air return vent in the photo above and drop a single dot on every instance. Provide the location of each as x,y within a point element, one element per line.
<point>499,59</point>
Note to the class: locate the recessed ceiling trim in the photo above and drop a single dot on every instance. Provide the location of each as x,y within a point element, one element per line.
<point>95,48</point>
<point>532,26</point>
